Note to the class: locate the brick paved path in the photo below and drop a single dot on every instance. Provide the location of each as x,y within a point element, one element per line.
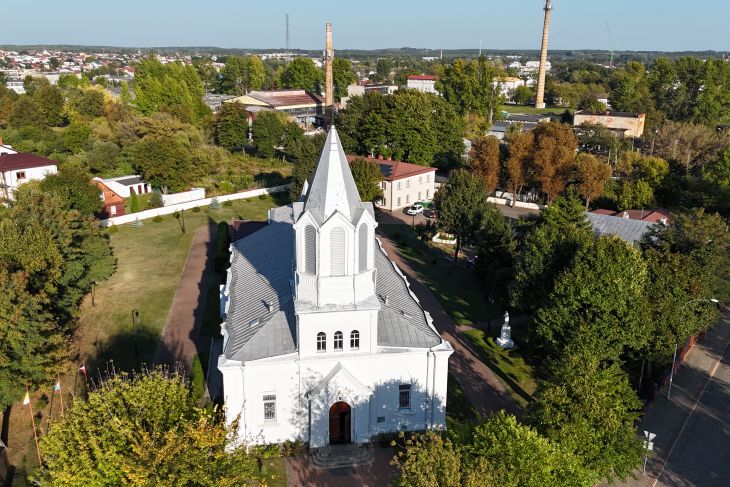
<point>180,340</point>
<point>481,386</point>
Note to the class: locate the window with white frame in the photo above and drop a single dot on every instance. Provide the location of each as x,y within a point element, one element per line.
<point>321,342</point>
<point>428,193</point>
<point>20,175</point>
<point>420,179</point>
<point>404,396</point>
<point>338,340</point>
<point>382,184</point>
<point>428,178</point>
<point>398,201</point>
<point>399,184</point>
<point>419,196</point>
<point>408,183</point>
<point>354,340</point>
<point>408,198</point>
<point>269,407</point>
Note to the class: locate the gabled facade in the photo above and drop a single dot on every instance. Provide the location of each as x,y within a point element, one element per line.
<point>17,168</point>
<point>323,340</point>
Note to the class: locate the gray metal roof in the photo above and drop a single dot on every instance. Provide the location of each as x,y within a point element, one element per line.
<point>333,187</point>
<point>261,322</point>
<point>130,181</point>
<point>627,229</point>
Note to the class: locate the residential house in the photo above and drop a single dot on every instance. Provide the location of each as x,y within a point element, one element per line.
<point>658,215</point>
<point>17,168</point>
<point>113,203</point>
<point>125,185</point>
<point>422,82</point>
<point>359,89</point>
<point>625,228</point>
<point>403,183</point>
<point>508,84</point>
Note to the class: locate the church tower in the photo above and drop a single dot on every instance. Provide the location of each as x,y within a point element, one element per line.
<point>335,246</point>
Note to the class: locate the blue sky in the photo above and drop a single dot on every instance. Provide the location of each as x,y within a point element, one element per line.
<point>670,25</point>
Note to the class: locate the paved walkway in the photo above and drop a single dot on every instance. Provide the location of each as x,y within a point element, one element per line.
<point>692,446</point>
<point>481,386</point>
<point>180,340</point>
<point>300,473</point>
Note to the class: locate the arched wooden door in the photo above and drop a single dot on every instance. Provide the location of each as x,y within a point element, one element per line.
<point>340,419</point>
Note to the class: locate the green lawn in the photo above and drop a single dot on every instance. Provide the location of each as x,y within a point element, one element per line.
<point>530,109</point>
<point>275,473</point>
<point>150,260</point>
<point>455,286</point>
<point>459,291</point>
<point>509,365</point>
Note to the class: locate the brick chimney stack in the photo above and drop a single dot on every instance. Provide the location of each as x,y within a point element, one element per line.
<point>329,55</point>
<point>540,97</point>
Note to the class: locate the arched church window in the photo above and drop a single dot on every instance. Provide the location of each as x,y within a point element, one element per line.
<point>337,251</point>
<point>354,340</point>
<point>338,340</point>
<point>310,250</point>
<point>363,247</point>
<point>321,342</point>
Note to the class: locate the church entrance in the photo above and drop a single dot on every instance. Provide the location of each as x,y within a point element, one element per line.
<point>340,415</point>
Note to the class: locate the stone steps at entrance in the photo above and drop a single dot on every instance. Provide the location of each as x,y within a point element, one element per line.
<point>341,456</point>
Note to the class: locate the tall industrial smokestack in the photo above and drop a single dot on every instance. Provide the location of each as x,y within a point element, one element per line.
<point>329,96</point>
<point>540,98</point>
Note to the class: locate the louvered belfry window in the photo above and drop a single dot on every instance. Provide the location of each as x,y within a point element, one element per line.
<point>337,251</point>
<point>363,247</point>
<point>310,250</point>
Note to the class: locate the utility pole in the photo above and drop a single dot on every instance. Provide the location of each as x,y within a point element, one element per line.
<point>540,97</point>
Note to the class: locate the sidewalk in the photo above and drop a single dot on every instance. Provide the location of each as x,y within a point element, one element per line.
<point>691,446</point>
<point>180,340</point>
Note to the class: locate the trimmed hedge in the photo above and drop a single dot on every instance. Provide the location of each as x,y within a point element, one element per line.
<point>221,248</point>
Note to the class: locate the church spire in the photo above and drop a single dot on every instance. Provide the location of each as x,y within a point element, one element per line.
<point>333,187</point>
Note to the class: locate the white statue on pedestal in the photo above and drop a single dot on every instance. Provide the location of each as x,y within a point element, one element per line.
<point>505,338</point>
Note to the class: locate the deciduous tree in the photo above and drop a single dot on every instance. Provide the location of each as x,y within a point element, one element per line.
<point>553,157</point>
<point>267,131</point>
<point>73,188</point>
<point>342,76</point>
<point>484,160</point>
<point>367,177</point>
<point>461,204</point>
<point>142,429</point>
<point>592,175</point>
<point>589,410</point>
<point>302,74</point>
<point>231,126</point>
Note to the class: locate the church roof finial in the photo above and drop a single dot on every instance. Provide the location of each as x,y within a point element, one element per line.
<point>333,187</point>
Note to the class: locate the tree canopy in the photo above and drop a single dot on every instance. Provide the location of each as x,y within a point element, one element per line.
<point>302,74</point>
<point>462,206</point>
<point>367,177</point>
<point>141,429</point>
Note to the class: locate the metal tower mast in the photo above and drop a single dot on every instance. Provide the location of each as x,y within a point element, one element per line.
<point>540,98</point>
<point>288,36</point>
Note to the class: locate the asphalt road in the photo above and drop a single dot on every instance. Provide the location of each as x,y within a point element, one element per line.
<point>701,453</point>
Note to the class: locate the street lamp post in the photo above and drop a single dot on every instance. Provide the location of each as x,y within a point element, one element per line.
<point>676,345</point>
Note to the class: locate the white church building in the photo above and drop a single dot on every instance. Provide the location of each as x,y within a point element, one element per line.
<point>324,342</point>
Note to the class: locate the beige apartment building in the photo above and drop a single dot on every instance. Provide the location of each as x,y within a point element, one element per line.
<point>403,183</point>
<point>627,124</point>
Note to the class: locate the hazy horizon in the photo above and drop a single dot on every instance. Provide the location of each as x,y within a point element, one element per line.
<point>622,25</point>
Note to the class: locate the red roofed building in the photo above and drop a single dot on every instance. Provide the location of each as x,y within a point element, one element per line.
<point>403,183</point>
<point>17,168</point>
<point>113,203</point>
<point>422,82</point>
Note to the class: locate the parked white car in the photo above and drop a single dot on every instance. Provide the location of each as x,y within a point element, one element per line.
<point>415,209</point>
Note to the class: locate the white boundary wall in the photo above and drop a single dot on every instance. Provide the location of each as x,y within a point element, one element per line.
<point>168,210</point>
<point>517,204</point>
<point>184,197</point>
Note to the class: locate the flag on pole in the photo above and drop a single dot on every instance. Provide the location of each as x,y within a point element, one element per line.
<point>57,387</point>
<point>26,399</point>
